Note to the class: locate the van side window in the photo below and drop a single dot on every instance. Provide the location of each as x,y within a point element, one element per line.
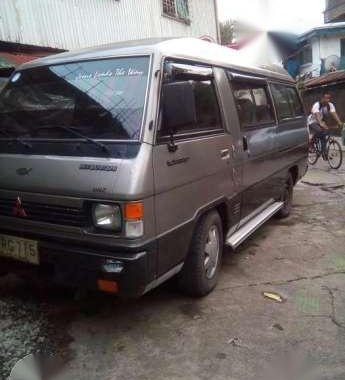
<point>207,109</point>
<point>253,103</point>
<point>282,101</point>
<point>287,101</point>
<point>206,116</point>
<point>295,101</point>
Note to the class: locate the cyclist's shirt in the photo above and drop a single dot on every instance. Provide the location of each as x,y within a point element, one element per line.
<point>323,110</point>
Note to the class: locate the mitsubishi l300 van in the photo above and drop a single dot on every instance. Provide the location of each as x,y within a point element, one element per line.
<point>122,166</point>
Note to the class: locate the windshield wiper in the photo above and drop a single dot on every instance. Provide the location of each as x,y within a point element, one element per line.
<point>78,134</point>
<point>16,139</point>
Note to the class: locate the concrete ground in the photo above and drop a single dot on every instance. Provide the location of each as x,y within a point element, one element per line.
<point>234,333</point>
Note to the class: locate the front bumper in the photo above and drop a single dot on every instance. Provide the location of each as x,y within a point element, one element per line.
<point>81,266</point>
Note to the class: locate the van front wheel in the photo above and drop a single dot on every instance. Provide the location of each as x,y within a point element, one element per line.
<point>200,272</point>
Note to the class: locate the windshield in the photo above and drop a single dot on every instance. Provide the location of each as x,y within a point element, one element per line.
<point>101,99</point>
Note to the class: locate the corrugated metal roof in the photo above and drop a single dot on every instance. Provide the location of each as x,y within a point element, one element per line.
<point>326,80</point>
<point>73,24</point>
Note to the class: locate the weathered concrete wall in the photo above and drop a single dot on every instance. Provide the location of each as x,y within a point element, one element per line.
<point>322,48</point>
<point>335,10</point>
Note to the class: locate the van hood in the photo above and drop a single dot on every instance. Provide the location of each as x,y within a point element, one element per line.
<point>72,176</point>
<point>95,178</point>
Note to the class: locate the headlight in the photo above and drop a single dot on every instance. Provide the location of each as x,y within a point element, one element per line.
<point>107,217</point>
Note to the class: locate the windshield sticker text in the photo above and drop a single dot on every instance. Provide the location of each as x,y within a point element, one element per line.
<point>120,72</point>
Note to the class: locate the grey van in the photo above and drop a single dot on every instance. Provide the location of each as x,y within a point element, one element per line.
<point>122,166</point>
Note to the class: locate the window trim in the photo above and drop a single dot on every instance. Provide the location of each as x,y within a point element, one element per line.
<point>236,77</point>
<point>188,135</point>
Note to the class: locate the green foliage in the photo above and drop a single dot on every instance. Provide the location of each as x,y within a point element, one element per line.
<point>227,32</point>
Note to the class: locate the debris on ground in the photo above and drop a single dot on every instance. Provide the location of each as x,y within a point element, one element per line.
<point>235,342</point>
<point>278,327</point>
<point>273,296</point>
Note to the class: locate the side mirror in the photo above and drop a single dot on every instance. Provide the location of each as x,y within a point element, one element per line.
<point>178,106</point>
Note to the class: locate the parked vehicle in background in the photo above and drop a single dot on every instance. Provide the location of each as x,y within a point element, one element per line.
<point>123,166</point>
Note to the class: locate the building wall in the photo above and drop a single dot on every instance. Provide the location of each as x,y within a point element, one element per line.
<point>322,48</point>
<point>335,11</point>
<point>314,66</point>
<point>71,24</point>
<point>338,98</point>
<point>203,21</point>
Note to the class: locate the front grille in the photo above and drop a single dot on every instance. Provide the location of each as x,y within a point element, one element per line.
<point>45,213</point>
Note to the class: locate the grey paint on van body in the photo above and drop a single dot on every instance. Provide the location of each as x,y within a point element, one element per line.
<point>175,187</point>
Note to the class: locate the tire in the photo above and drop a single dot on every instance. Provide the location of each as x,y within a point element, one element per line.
<point>313,155</point>
<point>3,273</point>
<point>334,154</point>
<point>200,272</point>
<point>287,198</point>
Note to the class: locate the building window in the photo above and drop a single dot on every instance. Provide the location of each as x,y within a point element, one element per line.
<point>306,55</point>
<point>342,47</point>
<point>169,7</point>
<point>176,8</point>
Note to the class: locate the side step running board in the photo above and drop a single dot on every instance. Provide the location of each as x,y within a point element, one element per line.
<point>246,230</point>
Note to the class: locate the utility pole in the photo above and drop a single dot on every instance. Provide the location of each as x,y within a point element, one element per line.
<point>217,21</point>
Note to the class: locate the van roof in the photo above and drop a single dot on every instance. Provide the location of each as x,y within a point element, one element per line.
<point>183,48</point>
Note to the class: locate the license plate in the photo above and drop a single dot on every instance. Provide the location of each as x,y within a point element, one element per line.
<point>19,249</point>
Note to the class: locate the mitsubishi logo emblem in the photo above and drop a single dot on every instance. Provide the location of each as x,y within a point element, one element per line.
<point>18,209</point>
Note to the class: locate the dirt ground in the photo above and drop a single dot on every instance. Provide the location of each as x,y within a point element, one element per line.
<point>234,333</point>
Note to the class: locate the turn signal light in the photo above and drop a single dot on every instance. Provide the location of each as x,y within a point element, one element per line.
<point>107,286</point>
<point>134,223</point>
<point>134,211</point>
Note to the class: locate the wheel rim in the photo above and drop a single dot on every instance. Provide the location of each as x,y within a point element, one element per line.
<point>211,252</point>
<point>334,155</point>
<point>313,154</point>
<point>312,158</point>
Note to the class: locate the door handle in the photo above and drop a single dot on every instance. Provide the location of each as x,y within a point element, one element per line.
<point>225,154</point>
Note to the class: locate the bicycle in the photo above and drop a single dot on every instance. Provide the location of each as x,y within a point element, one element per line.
<point>333,153</point>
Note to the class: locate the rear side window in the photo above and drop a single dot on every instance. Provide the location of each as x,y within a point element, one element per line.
<point>253,103</point>
<point>295,102</point>
<point>287,101</point>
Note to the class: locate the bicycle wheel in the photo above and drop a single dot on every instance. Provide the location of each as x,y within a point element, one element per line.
<point>313,153</point>
<point>334,154</point>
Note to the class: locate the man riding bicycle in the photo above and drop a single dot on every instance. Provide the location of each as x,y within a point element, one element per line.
<point>319,117</point>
